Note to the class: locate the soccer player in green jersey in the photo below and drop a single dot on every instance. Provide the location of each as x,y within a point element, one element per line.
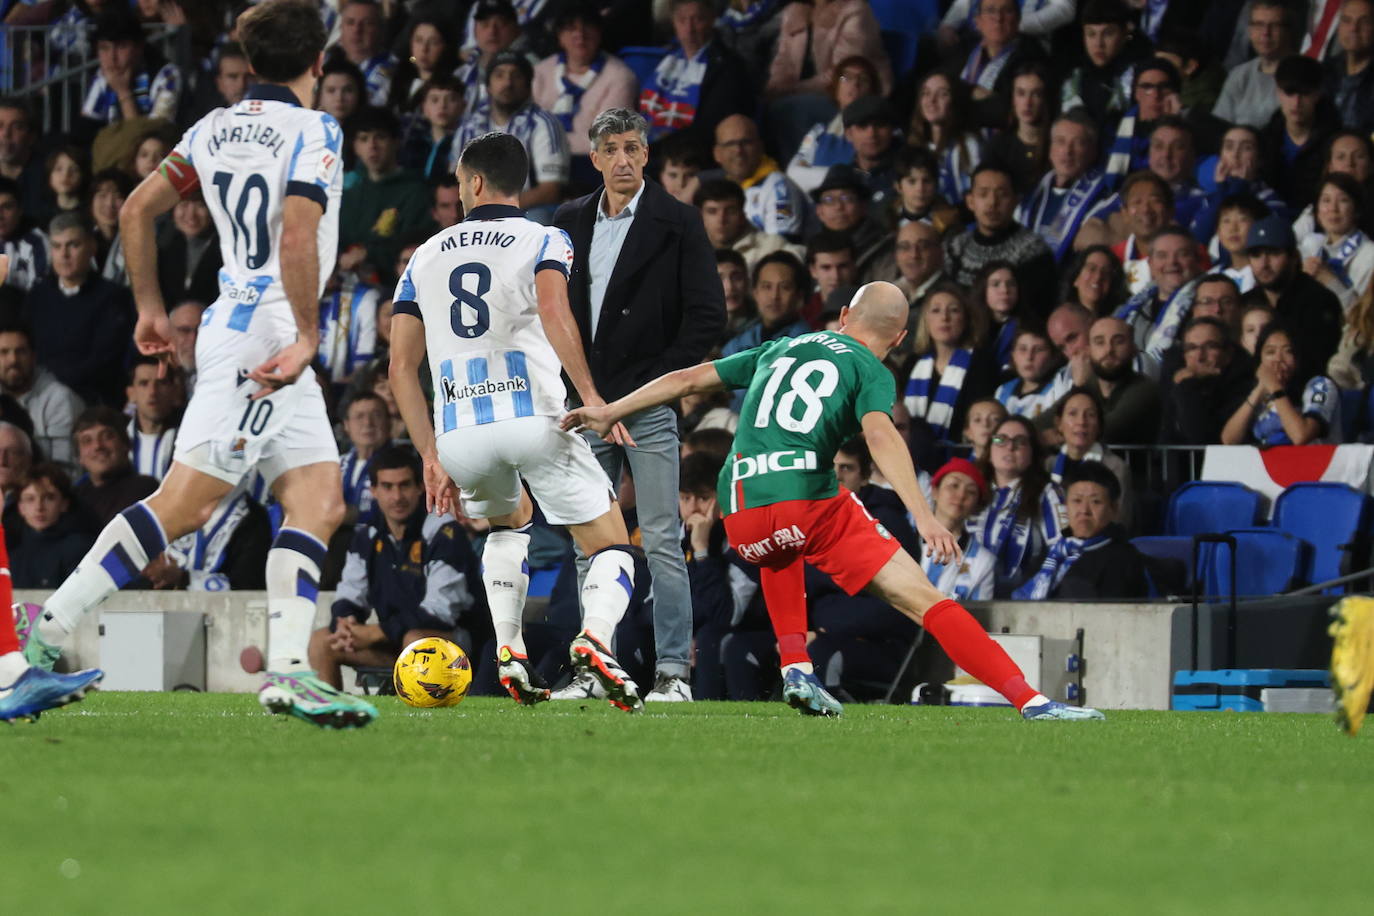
<point>805,396</point>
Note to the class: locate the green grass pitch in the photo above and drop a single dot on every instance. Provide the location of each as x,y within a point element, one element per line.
<point>190,803</point>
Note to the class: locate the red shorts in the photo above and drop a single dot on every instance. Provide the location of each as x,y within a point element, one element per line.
<point>835,535</point>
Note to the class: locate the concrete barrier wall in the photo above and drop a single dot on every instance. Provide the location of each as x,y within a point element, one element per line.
<point>1126,647</point>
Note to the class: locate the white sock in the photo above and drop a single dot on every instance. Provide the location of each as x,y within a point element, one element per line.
<point>506,575</point>
<point>12,665</point>
<point>126,545</point>
<point>1038,700</point>
<point>293,583</point>
<point>607,590</point>
<point>803,667</point>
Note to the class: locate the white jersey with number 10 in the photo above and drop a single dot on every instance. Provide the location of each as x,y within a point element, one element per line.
<point>246,160</point>
<point>473,287</point>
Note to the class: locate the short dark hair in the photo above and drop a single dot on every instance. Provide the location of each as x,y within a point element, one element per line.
<point>1218,277</point>
<point>828,241</point>
<point>446,180</point>
<point>683,146</point>
<point>231,49</point>
<point>718,189</point>
<point>1095,472</point>
<point>141,360</point>
<point>394,458</point>
<point>1105,12</point>
<point>731,256</point>
<point>1145,176</point>
<point>1348,186</point>
<point>991,165</point>
<point>119,25</point>
<point>1086,391</point>
<point>445,81</point>
<point>1163,66</point>
<point>54,475</point>
<point>374,119</point>
<point>338,64</point>
<point>101,415</point>
<point>363,396</point>
<point>1298,74</point>
<point>122,180</point>
<point>712,439</point>
<point>499,158</point>
<point>11,187</point>
<point>859,449</point>
<point>573,11</point>
<point>1246,202</point>
<point>1207,321</point>
<point>801,276</point>
<point>699,472</point>
<point>282,38</point>
<point>12,322</point>
<point>1174,122</point>
<point>915,159</point>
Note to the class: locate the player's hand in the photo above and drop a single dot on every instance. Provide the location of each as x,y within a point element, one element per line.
<point>596,417</point>
<point>153,337</point>
<point>940,544</point>
<point>4,268</point>
<point>283,368</point>
<point>441,497</point>
<point>341,639</point>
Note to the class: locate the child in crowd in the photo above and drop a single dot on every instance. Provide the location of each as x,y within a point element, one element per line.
<point>984,416</point>
<point>429,136</point>
<point>1227,248</point>
<point>918,196</point>
<point>1034,390</point>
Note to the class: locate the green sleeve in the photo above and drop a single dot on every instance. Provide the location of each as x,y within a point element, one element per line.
<point>737,370</point>
<point>877,390</point>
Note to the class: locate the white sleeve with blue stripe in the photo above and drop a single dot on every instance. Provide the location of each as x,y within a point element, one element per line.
<point>316,159</point>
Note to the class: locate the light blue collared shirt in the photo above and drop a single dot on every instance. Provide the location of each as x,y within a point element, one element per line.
<point>608,237</point>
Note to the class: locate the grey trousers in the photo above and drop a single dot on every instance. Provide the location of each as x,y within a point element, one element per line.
<point>654,466</point>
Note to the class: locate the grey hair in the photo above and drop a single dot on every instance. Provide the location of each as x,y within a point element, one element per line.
<point>614,121</point>
<point>69,219</point>
<point>25,443</point>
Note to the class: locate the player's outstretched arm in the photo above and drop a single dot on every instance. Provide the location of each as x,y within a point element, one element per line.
<point>152,198</point>
<point>300,279</point>
<point>892,458</point>
<point>407,352</point>
<point>662,390</point>
<point>555,314</point>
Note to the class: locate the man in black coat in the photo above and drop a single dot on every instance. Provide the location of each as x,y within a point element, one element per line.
<point>648,300</point>
<point>1300,302</point>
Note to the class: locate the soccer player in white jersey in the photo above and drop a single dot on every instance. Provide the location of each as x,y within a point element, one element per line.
<point>487,299</point>
<point>269,169</point>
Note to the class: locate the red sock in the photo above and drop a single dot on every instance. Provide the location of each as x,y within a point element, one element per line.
<point>9,640</point>
<point>969,646</point>
<point>784,593</point>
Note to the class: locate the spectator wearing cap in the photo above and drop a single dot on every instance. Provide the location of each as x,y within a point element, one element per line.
<point>581,80</point>
<point>721,203</point>
<point>1349,76</point>
<point>699,82</point>
<point>382,202</point>
<point>511,110</point>
<point>959,491</point>
<point>1247,96</point>
<point>81,322</point>
<point>996,236</point>
<point>1312,312</point>
<point>1093,561</point>
<point>1058,205</point>
<point>493,27</point>
<point>362,43</point>
<point>129,83</point>
<point>870,128</point>
<point>772,202</point>
<point>825,144</point>
<point>844,203</point>
<point>1293,143</point>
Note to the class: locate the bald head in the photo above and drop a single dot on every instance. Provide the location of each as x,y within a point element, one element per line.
<point>738,151</point>
<point>879,308</point>
<point>1068,328</point>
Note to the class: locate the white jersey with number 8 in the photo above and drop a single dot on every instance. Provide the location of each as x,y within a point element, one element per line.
<point>473,287</point>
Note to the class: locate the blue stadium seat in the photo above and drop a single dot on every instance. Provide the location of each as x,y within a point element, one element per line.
<point>1267,562</point>
<point>1330,517</point>
<point>901,51</point>
<point>1163,547</point>
<point>1208,506</point>
<point>915,17</point>
<point>642,59</point>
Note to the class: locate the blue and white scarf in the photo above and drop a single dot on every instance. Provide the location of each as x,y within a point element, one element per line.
<point>957,162</point>
<point>1006,337</point>
<point>1063,463</point>
<point>1153,17</point>
<point>1338,262</point>
<point>569,91</point>
<point>201,553</point>
<point>934,404</point>
<point>753,13</point>
<point>1008,536</point>
<point>1058,231</point>
<point>981,72</point>
<point>1124,148</point>
<point>1155,334</point>
<point>357,487</point>
<point>1063,554</point>
<point>670,100</point>
<point>151,453</point>
<point>971,581</point>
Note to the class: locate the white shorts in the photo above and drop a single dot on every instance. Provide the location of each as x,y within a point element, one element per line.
<point>226,435</point>
<point>489,461</point>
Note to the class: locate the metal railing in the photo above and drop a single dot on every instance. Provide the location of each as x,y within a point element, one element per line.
<point>52,65</point>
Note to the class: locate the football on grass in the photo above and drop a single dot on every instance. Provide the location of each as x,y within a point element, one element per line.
<point>432,672</point>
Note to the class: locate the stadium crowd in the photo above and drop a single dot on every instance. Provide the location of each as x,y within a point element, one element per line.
<point>1118,223</point>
